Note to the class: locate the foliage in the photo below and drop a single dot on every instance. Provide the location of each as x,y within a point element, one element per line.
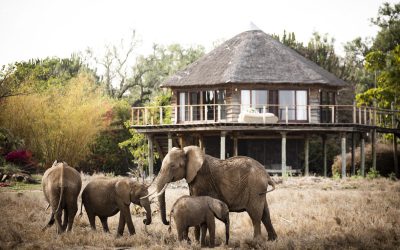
<point>105,154</point>
<point>140,81</point>
<point>9,169</point>
<point>137,144</point>
<point>388,20</point>
<point>23,78</point>
<point>60,122</point>
<point>8,142</point>
<point>383,61</point>
<point>373,174</point>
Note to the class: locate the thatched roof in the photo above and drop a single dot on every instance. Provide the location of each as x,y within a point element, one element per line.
<point>252,57</point>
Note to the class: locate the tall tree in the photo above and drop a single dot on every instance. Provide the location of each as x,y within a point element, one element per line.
<point>383,60</point>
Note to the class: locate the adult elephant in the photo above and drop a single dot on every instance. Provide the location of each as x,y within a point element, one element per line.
<point>241,182</point>
<point>61,186</point>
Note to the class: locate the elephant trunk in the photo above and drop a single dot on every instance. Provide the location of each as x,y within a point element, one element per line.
<point>161,200</point>
<point>227,231</point>
<point>146,205</point>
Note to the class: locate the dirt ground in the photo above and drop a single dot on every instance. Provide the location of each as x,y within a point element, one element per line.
<point>307,213</point>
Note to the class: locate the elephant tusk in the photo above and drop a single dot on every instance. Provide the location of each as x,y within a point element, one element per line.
<point>144,197</point>
<point>160,193</point>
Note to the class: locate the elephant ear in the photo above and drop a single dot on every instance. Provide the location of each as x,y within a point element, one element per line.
<point>194,161</point>
<point>216,207</point>
<point>123,191</point>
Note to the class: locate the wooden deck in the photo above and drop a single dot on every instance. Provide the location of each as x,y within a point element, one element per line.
<point>277,127</point>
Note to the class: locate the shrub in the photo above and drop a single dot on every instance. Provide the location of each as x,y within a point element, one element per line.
<point>384,159</point>
<point>59,123</point>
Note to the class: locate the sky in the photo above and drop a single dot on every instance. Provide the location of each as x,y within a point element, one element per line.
<point>47,28</point>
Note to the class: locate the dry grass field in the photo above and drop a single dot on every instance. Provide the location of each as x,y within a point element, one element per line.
<point>307,213</point>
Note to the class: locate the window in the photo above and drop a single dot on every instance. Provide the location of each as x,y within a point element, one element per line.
<point>327,98</point>
<point>191,105</point>
<point>254,98</point>
<point>296,103</point>
<point>183,108</point>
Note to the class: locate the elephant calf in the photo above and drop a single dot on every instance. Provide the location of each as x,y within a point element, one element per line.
<point>191,211</point>
<point>106,197</point>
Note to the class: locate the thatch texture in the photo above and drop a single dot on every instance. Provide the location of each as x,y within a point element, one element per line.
<point>252,57</point>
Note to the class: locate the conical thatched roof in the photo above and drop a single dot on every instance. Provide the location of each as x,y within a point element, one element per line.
<point>252,57</point>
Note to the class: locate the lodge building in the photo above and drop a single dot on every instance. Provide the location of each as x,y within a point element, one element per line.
<point>256,97</point>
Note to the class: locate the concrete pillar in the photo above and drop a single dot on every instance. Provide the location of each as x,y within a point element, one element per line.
<point>169,142</point>
<point>362,154</point>
<point>182,141</point>
<point>201,142</point>
<point>343,147</point>
<point>324,153</point>
<point>306,154</point>
<point>222,145</point>
<point>150,154</point>
<point>353,160</point>
<point>235,145</point>
<point>373,148</point>
<point>283,153</point>
<point>395,159</point>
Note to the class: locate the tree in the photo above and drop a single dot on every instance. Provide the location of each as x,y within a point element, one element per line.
<point>151,70</point>
<point>383,60</point>
<point>22,78</point>
<point>388,20</point>
<point>138,81</point>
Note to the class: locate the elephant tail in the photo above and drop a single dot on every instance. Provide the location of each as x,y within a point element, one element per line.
<point>272,183</point>
<point>61,187</point>
<point>80,214</point>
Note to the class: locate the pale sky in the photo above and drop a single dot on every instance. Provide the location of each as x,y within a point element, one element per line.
<point>45,28</point>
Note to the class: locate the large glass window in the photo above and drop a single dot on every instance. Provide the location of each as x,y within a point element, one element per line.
<point>296,103</point>
<point>183,108</point>
<point>287,98</point>
<point>256,99</point>
<point>195,105</point>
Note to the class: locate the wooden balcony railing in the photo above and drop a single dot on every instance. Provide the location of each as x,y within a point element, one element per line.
<point>316,114</point>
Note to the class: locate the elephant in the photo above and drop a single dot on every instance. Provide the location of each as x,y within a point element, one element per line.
<point>106,197</point>
<point>241,182</point>
<point>61,187</point>
<point>190,211</point>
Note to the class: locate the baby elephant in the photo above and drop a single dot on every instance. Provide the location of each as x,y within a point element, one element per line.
<point>106,197</point>
<point>191,211</point>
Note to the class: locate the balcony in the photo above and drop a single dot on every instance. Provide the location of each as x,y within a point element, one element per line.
<point>295,115</point>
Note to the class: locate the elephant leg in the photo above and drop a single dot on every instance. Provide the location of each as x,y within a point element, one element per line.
<point>105,224</point>
<point>128,219</point>
<point>197,232</point>
<point>92,219</point>
<point>72,209</point>
<point>203,234</point>
<point>211,229</point>
<point>121,224</point>
<point>58,216</point>
<point>180,229</point>
<point>186,233</point>
<point>255,214</point>
<point>266,220</point>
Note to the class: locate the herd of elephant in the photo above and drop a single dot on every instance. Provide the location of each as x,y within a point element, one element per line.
<point>216,187</point>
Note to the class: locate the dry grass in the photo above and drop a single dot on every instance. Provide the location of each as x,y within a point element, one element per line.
<point>308,213</point>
